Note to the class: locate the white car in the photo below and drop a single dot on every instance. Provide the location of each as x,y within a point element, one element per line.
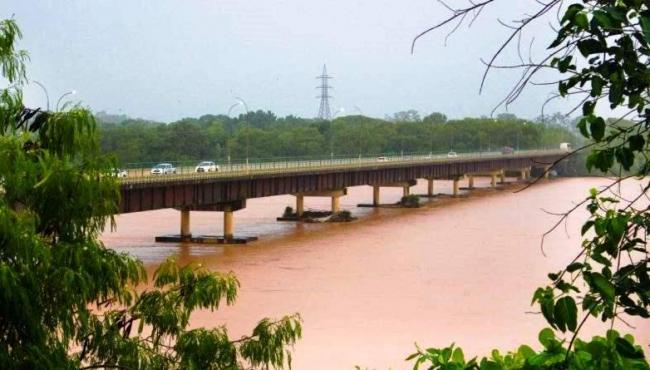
<point>206,166</point>
<point>452,155</point>
<point>119,173</point>
<point>163,169</point>
<point>382,159</point>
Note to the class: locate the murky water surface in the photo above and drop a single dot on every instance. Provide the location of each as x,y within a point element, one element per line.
<point>457,270</point>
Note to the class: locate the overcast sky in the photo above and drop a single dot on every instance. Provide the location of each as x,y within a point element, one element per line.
<point>164,59</point>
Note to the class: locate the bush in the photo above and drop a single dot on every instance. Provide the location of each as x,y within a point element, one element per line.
<point>288,212</point>
<point>410,201</point>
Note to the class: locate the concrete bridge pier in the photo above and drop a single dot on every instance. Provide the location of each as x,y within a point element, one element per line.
<point>300,205</point>
<point>430,187</point>
<point>547,171</point>
<point>493,179</point>
<point>502,176</point>
<point>334,194</point>
<point>406,190</point>
<point>185,234</point>
<point>228,224</point>
<point>456,186</point>
<point>375,195</point>
<point>336,204</point>
<point>228,209</point>
<point>470,182</point>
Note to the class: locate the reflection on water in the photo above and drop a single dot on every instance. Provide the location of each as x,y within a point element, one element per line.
<point>456,270</point>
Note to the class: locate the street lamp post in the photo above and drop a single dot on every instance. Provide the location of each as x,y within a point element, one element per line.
<point>47,96</point>
<point>242,102</point>
<point>72,92</point>
<point>340,110</point>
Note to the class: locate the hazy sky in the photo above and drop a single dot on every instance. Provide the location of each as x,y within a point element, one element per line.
<point>164,59</point>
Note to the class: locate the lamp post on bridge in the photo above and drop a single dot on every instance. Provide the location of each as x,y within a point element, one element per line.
<point>242,102</point>
<point>339,111</point>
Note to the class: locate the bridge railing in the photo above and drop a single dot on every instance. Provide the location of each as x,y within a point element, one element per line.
<point>141,172</point>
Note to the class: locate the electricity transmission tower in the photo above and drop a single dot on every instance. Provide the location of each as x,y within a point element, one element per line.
<point>324,110</point>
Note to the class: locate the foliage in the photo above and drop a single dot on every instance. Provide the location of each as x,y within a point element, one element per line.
<point>611,352</point>
<point>602,52</point>
<point>67,301</point>
<point>410,201</point>
<point>220,137</point>
<point>288,212</point>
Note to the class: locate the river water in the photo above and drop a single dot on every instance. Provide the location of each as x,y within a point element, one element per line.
<point>456,270</point>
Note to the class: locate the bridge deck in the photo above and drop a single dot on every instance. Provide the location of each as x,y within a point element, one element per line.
<point>271,169</point>
<point>201,190</point>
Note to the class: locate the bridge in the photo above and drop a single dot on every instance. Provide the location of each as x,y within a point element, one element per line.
<point>228,189</point>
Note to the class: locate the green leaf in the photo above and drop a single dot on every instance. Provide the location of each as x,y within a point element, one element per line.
<point>574,267</point>
<point>645,26</point>
<point>602,285</point>
<point>597,128</point>
<point>590,46</point>
<point>458,356</point>
<point>546,337</point>
<point>602,18</point>
<point>637,142</point>
<point>566,312</point>
<point>626,349</point>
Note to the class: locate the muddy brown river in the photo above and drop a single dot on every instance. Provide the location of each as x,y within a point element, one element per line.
<point>456,270</point>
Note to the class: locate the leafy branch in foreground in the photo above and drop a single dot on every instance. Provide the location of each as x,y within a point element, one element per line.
<point>602,50</point>
<point>67,301</point>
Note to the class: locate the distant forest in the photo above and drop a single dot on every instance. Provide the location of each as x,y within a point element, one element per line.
<point>262,135</point>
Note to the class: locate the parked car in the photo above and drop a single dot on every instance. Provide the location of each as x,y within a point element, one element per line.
<point>382,159</point>
<point>452,155</point>
<point>565,146</point>
<point>206,166</point>
<point>119,173</point>
<point>163,169</point>
<point>507,150</point>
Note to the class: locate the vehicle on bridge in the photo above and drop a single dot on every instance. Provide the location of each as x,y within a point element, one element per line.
<point>206,166</point>
<point>163,169</point>
<point>382,159</point>
<point>565,146</point>
<point>119,173</point>
<point>507,150</point>
<point>452,155</point>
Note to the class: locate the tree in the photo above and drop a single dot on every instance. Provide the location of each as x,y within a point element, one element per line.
<point>435,118</point>
<point>601,51</point>
<point>410,115</point>
<point>68,302</point>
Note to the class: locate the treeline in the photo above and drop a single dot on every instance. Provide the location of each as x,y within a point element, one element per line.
<point>263,135</point>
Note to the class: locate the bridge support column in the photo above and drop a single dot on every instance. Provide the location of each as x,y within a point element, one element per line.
<point>430,187</point>
<point>493,179</point>
<point>186,234</point>
<point>456,187</point>
<point>375,195</point>
<point>547,172</point>
<point>336,204</point>
<point>405,185</point>
<point>228,224</point>
<point>502,175</point>
<point>407,190</point>
<point>523,174</point>
<point>470,182</point>
<point>334,194</point>
<point>300,205</point>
